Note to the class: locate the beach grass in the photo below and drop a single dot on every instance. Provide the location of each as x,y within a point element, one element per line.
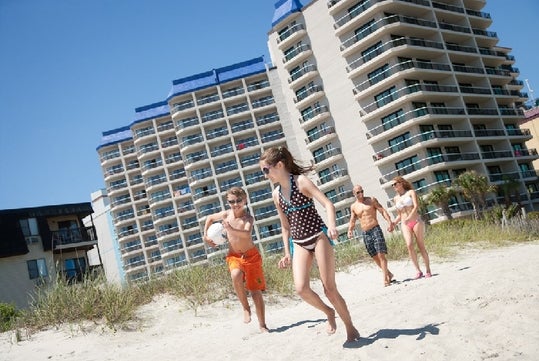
<point>100,302</point>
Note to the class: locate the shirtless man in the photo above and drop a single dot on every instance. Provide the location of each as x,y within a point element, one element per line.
<point>364,209</point>
<point>243,259</point>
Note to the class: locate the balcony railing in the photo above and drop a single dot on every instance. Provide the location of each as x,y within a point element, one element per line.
<point>72,237</point>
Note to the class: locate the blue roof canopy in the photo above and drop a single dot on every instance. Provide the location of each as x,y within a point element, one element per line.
<point>283,8</point>
<point>151,111</point>
<point>217,76</point>
<point>115,136</point>
<point>182,86</point>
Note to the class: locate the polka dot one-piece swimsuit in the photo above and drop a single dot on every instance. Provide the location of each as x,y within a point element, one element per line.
<point>305,222</point>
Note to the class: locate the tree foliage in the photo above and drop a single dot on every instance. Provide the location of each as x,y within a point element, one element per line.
<point>441,196</point>
<point>474,187</point>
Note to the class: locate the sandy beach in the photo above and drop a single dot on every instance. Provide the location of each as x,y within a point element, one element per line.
<point>483,305</point>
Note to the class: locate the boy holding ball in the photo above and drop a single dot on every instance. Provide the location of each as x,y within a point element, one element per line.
<point>243,259</point>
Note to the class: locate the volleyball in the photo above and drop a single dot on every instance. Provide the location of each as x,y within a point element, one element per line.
<point>216,232</point>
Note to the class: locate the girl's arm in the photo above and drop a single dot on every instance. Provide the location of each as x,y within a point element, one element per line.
<point>285,231</point>
<point>415,200</point>
<point>399,213</point>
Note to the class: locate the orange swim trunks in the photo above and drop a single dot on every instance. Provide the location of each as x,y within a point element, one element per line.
<point>250,263</point>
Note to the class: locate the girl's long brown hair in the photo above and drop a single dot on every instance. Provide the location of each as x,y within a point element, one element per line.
<point>275,155</point>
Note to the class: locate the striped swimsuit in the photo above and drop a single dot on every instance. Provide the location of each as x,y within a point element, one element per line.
<point>305,222</point>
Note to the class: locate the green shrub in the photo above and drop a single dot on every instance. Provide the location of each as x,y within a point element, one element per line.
<point>8,315</point>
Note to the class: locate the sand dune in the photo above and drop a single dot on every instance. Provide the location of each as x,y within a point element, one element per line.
<point>484,305</point>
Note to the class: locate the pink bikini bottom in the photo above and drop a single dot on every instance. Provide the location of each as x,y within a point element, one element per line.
<point>411,224</point>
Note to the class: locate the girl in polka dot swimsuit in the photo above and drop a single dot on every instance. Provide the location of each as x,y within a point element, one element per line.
<point>305,222</point>
<point>293,198</point>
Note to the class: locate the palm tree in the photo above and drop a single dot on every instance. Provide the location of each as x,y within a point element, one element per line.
<point>440,196</point>
<point>422,209</point>
<point>474,187</point>
<point>510,187</point>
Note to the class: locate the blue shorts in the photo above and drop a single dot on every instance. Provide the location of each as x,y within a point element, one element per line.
<point>374,241</point>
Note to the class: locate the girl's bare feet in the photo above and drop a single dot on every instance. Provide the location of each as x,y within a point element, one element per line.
<point>264,328</point>
<point>332,324</point>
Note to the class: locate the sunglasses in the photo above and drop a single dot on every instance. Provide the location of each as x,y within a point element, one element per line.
<point>394,184</point>
<point>235,201</point>
<point>266,170</point>
<point>359,192</point>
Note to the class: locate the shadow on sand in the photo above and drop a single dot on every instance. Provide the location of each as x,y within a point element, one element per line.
<point>388,333</point>
<point>285,328</point>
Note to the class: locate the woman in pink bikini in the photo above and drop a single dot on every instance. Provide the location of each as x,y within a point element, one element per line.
<point>411,225</point>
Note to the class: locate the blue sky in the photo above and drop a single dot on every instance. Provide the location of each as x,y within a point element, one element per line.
<point>71,69</point>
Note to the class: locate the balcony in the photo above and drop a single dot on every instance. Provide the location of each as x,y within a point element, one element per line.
<point>65,240</point>
<point>301,72</point>
<point>290,35</point>
<point>503,177</point>
<point>392,44</point>
<point>335,175</point>
<point>419,139</point>
<point>416,113</point>
<point>426,162</point>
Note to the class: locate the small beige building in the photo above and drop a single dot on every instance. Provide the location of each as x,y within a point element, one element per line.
<point>531,123</point>
<point>42,243</point>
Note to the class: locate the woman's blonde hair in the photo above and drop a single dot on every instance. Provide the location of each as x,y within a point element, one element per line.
<point>405,184</point>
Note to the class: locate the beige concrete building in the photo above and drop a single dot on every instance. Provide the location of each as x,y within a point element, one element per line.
<point>530,123</point>
<point>415,88</point>
<point>40,243</point>
<point>363,90</point>
<point>107,253</point>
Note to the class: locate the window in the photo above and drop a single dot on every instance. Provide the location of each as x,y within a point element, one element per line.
<point>372,51</point>
<point>37,268</point>
<point>407,165</point>
<point>332,195</point>
<point>378,74</point>
<point>324,175</point>
<point>74,268</point>
<point>452,150</point>
<point>494,169</point>
<point>358,8</point>
<point>442,176</point>
<point>420,108</point>
<point>434,155</point>
<point>365,30</point>
<point>29,227</point>
<point>399,143</point>
<point>427,132</point>
<point>412,85</point>
<point>420,184</point>
<point>393,119</point>
<point>385,97</point>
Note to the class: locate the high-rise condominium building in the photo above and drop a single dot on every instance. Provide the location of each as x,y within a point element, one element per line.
<point>364,90</point>
<point>417,88</point>
<point>171,167</point>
